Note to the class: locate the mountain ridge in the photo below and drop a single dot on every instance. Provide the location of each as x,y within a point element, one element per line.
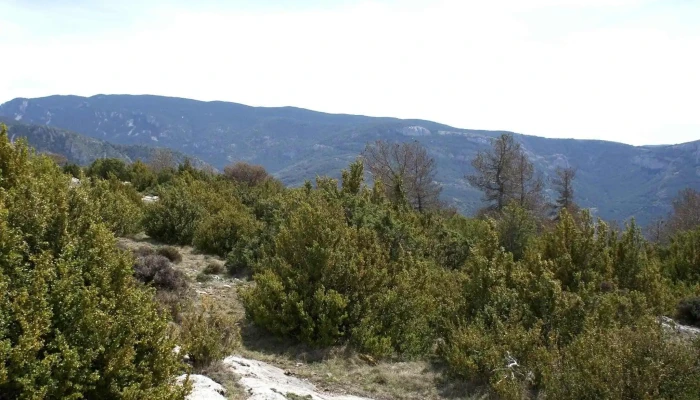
<point>618,180</point>
<point>332,114</point>
<point>83,150</point>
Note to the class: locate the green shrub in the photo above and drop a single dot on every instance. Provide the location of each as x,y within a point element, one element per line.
<point>681,261</point>
<point>202,277</point>
<point>119,205</point>
<point>142,177</point>
<point>404,318</point>
<point>106,168</point>
<point>328,283</point>
<point>688,311</point>
<point>505,358</point>
<point>72,170</point>
<point>73,322</point>
<point>634,362</point>
<point>187,202</point>
<point>208,334</point>
<point>175,216</point>
<point>311,289</point>
<point>218,233</point>
<point>517,228</point>
<point>243,256</point>
<point>171,253</point>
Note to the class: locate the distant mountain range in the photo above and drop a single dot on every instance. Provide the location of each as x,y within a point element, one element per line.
<point>81,149</point>
<point>616,180</point>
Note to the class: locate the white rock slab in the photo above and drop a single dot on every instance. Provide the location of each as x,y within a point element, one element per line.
<point>266,382</point>
<point>683,330</point>
<point>203,388</point>
<point>149,199</point>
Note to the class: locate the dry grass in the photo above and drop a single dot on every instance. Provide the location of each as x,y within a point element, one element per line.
<point>343,371</point>
<point>221,374</point>
<point>339,369</point>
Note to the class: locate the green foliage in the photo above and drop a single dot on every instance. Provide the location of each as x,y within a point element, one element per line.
<point>342,268</point>
<point>244,255</point>
<point>73,322</point>
<point>73,170</point>
<point>305,290</point>
<point>681,261</point>
<point>141,176</point>
<point>208,334</point>
<point>632,362</point>
<point>104,168</point>
<point>688,311</point>
<point>175,217</point>
<point>533,326</point>
<point>322,278</point>
<point>220,232</point>
<point>581,252</point>
<point>119,205</point>
<point>513,303</point>
<point>517,228</point>
<point>206,214</point>
<point>353,178</point>
<point>406,317</point>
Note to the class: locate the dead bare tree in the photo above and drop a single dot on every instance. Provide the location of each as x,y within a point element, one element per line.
<point>409,164</point>
<point>529,186</point>
<point>686,211</point>
<point>162,160</point>
<point>249,174</point>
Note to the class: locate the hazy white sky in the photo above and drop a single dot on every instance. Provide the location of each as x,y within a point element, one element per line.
<point>623,70</point>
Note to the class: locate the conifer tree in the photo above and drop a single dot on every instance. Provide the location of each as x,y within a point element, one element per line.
<point>564,186</point>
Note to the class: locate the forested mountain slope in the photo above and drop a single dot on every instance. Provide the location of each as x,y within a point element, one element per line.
<point>617,180</point>
<point>83,150</point>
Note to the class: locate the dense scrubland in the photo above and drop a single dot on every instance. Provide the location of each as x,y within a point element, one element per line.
<point>527,300</point>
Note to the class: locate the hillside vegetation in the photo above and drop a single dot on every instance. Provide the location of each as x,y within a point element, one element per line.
<point>73,322</point>
<point>615,180</point>
<point>517,303</point>
<point>82,150</point>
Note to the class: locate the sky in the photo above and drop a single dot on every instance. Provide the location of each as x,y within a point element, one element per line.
<point>621,70</point>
